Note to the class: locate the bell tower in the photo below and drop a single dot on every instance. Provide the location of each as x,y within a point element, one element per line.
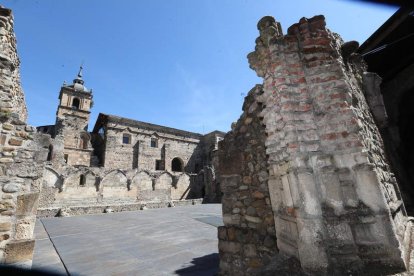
<point>75,100</point>
<point>72,119</point>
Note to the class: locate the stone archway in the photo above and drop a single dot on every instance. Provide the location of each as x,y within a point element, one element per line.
<point>144,184</point>
<point>177,165</point>
<point>115,186</point>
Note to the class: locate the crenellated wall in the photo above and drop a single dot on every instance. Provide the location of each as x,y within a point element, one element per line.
<point>336,204</point>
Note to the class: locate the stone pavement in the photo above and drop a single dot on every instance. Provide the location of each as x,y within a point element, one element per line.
<point>168,241</point>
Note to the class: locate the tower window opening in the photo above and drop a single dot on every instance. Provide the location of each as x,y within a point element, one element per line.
<point>75,103</point>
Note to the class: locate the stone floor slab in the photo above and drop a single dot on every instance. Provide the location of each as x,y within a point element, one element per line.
<point>173,241</point>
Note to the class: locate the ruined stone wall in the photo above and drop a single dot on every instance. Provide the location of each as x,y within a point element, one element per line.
<point>22,156</point>
<point>139,153</point>
<point>12,96</point>
<point>64,186</point>
<point>336,204</point>
<point>247,242</point>
<point>206,167</point>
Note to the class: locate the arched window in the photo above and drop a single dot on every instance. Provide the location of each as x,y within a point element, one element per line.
<point>50,153</point>
<point>75,103</point>
<point>82,180</point>
<point>177,165</point>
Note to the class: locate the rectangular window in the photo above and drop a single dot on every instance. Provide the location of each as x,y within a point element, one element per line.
<point>126,139</point>
<point>158,165</point>
<point>82,180</point>
<point>66,158</point>
<point>154,143</point>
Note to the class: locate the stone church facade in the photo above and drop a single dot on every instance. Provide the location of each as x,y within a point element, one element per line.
<point>122,161</point>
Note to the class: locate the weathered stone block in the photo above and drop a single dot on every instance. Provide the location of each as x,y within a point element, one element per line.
<point>25,228</point>
<point>6,160</point>
<point>27,204</point>
<point>19,251</point>
<point>15,142</point>
<point>7,126</point>
<point>11,188</point>
<point>5,226</point>
<point>230,247</point>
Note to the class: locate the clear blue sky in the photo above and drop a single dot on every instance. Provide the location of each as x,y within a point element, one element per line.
<point>178,63</point>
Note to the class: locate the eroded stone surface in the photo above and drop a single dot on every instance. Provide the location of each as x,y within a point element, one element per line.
<point>335,202</point>
<point>20,171</point>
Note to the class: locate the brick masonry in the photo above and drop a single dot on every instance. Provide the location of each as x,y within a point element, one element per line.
<point>336,204</point>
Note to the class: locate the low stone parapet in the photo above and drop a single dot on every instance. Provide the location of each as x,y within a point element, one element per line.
<point>77,210</point>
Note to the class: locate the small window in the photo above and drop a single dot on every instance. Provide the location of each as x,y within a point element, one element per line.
<point>50,153</point>
<point>66,158</point>
<point>101,132</point>
<point>126,139</point>
<point>82,180</point>
<point>75,103</point>
<point>154,143</point>
<point>158,165</point>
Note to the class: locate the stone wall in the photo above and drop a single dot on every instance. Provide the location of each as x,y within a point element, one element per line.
<point>247,242</point>
<point>336,204</point>
<point>70,186</point>
<point>22,156</point>
<point>399,99</point>
<point>139,153</point>
<point>12,96</point>
<point>208,174</point>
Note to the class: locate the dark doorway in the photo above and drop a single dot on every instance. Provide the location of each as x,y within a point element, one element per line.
<point>177,165</point>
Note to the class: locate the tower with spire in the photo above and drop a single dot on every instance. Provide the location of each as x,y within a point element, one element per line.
<point>72,119</point>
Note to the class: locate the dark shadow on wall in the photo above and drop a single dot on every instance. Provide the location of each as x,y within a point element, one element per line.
<point>207,265</point>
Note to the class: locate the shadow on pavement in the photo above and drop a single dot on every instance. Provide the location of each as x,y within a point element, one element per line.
<point>12,270</point>
<point>203,266</point>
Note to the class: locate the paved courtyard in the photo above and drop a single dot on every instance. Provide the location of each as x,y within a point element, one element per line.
<point>169,241</point>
